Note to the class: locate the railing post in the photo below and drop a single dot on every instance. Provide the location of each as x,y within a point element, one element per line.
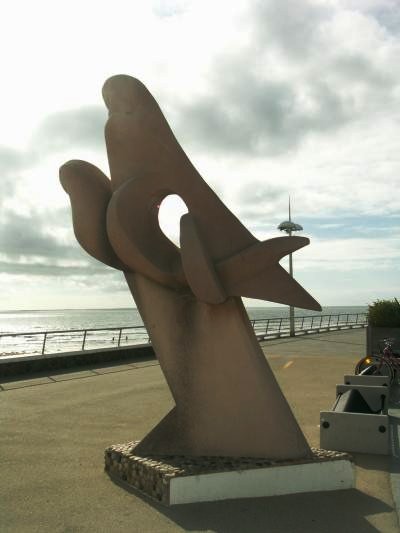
<point>84,339</point>
<point>119,336</point>
<point>44,343</point>
<point>267,327</point>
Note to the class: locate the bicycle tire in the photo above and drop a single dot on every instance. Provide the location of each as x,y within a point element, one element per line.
<point>375,365</point>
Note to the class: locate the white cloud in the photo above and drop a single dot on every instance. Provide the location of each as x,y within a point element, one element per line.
<point>351,255</point>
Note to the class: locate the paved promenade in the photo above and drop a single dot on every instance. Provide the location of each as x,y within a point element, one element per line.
<point>54,429</point>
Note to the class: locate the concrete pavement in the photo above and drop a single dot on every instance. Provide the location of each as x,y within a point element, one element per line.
<point>55,427</point>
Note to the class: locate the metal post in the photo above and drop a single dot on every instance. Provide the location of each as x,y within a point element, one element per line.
<point>83,341</point>
<point>289,227</point>
<point>119,337</point>
<point>44,342</point>
<point>291,308</point>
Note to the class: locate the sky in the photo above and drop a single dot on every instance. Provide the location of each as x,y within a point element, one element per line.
<point>268,98</point>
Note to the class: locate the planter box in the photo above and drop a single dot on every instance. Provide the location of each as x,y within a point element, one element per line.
<point>376,334</point>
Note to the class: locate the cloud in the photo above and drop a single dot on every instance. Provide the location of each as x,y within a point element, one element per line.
<point>351,254</point>
<point>75,127</point>
<point>293,27</point>
<point>260,203</point>
<point>12,162</point>
<point>36,245</point>
<point>253,116</point>
<point>40,269</point>
<point>387,14</point>
<point>292,78</point>
<point>22,235</point>
<point>169,8</point>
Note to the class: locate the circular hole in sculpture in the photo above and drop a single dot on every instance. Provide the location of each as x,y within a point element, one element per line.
<point>169,215</point>
<point>382,429</point>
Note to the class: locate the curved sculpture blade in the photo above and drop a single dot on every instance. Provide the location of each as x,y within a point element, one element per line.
<point>198,266</point>
<point>90,192</point>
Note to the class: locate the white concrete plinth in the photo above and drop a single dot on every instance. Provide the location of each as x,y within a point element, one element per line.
<point>271,481</point>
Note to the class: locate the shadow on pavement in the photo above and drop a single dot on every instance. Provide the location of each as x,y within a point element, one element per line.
<point>372,462</point>
<point>115,366</point>
<point>323,512</point>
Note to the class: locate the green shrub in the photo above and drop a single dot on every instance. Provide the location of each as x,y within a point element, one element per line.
<point>384,313</point>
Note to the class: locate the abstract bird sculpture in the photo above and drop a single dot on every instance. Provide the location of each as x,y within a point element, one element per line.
<point>228,402</point>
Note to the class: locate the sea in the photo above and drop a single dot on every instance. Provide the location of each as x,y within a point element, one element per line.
<point>67,319</point>
<point>62,330</point>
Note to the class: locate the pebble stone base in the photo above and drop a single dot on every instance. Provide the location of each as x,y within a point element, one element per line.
<point>153,475</point>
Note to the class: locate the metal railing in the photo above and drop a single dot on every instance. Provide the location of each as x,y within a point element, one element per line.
<point>303,325</point>
<point>59,341</point>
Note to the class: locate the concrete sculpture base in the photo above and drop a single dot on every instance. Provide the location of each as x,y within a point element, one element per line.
<point>173,480</point>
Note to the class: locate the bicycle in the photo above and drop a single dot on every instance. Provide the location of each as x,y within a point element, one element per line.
<point>387,363</point>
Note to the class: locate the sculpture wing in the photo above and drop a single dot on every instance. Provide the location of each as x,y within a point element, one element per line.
<point>90,192</point>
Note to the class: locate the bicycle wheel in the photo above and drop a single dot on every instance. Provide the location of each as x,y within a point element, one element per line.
<point>374,365</point>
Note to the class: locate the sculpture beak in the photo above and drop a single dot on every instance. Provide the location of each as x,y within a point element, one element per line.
<point>254,272</point>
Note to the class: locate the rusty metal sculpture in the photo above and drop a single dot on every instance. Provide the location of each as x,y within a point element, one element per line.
<point>228,402</point>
